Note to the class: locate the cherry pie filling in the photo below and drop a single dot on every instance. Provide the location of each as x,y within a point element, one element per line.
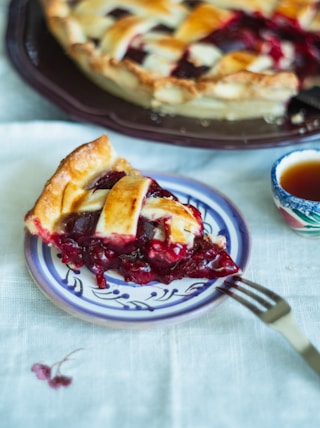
<point>145,259</point>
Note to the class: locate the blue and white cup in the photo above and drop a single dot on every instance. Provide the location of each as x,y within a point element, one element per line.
<point>301,214</point>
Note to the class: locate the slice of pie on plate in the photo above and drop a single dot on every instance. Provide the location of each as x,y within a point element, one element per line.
<point>100,212</point>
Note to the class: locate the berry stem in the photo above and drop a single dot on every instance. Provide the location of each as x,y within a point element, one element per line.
<point>66,358</point>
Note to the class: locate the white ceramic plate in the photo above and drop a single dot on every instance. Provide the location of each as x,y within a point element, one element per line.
<point>126,305</point>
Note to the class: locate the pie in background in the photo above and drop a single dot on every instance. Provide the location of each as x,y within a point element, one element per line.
<point>102,213</point>
<point>209,59</point>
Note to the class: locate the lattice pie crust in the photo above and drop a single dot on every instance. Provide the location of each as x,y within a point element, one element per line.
<point>208,59</point>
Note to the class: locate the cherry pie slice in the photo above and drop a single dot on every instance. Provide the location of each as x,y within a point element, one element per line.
<point>100,212</point>
<point>209,58</point>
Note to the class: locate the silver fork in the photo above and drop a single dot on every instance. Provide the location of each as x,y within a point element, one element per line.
<point>274,311</point>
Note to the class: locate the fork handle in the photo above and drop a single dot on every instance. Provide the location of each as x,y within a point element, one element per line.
<point>290,330</point>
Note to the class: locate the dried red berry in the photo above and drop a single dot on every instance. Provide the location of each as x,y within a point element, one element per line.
<point>59,380</point>
<point>42,371</point>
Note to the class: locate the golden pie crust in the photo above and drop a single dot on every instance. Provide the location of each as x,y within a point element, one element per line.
<point>70,191</point>
<point>67,190</point>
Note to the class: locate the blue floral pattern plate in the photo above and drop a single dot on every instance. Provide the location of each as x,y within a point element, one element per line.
<point>127,305</point>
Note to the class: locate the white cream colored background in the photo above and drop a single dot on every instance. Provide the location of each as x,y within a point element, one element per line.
<point>224,370</point>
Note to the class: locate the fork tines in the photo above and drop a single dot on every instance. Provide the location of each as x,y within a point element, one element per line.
<point>260,298</point>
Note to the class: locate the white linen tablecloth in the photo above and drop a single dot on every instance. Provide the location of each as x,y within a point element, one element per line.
<point>224,369</point>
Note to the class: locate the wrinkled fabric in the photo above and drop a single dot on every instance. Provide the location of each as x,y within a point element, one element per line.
<point>223,369</point>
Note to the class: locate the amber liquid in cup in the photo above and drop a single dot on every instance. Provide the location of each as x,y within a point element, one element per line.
<point>303,180</point>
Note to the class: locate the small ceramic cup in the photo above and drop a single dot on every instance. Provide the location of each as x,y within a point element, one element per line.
<point>293,176</point>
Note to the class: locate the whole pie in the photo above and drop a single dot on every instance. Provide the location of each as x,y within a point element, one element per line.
<point>209,59</point>
<point>100,212</point>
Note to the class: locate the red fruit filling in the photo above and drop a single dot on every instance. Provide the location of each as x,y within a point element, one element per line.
<point>145,259</point>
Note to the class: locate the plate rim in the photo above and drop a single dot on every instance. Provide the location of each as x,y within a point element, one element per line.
<point>14,36</point>
<point>48,289</point>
